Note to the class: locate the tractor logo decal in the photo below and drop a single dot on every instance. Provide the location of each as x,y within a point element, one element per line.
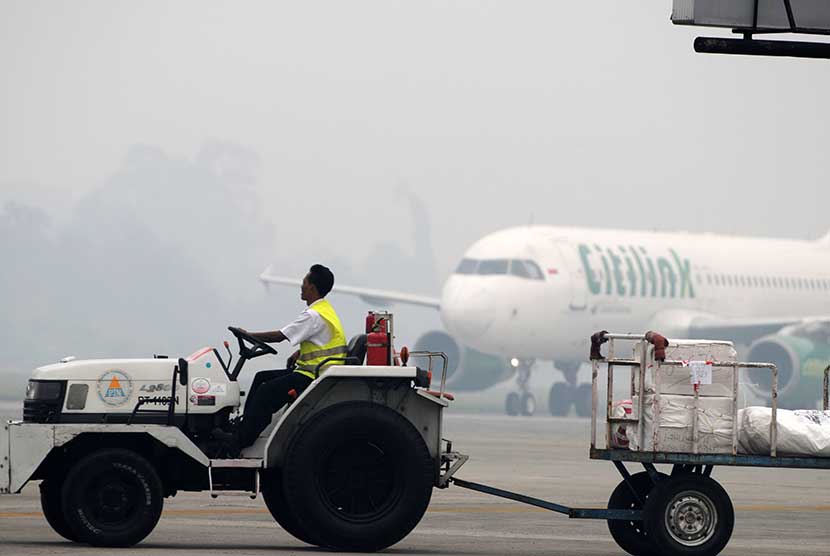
<point>115,388</point>
<point>200,385</point>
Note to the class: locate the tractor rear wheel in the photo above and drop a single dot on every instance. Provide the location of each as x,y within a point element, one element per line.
<point>361,474</point>
<point>271,486</point>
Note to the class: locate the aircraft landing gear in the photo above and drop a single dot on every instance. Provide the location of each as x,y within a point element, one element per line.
<point>563,394</point>
<point>522,402</point>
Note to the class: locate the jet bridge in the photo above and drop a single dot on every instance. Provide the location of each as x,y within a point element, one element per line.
<point>756,17</point>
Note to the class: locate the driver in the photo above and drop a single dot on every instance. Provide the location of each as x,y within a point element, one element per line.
<point>320,336</point>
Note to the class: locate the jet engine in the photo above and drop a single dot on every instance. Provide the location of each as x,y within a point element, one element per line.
<point>801,352</point>
<point>468,369</point>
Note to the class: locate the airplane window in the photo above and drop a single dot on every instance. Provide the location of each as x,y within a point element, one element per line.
<point>743,281</point>
<point>709,279</point>
<point>467,266</point>
<point>534,270</point>
<point>518,268</point>
<point>493,266</point>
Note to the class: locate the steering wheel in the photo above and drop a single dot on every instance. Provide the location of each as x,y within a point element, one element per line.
<point>258,346</point>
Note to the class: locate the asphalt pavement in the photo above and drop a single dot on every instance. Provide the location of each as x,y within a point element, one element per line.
<point>778,512</point>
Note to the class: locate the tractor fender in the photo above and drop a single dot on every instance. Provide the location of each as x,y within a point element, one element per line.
<point>422,410</point>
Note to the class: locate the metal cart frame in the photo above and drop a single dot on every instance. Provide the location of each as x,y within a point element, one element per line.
<point>683,458</point>
<point>685,512</point>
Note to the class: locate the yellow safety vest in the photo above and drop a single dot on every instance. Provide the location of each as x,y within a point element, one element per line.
<point>311,355</point>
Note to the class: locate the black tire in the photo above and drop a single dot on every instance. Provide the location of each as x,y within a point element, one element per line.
<point>689,515</point>
<point>271,486</point>
<point>528,404</point>
<point>582,400</point>
<point>113,497</point>
<point>513,404</point>
<point>50,501</point>
<point>559,399</point>
<point>631,536</point>
<point>361,474</point>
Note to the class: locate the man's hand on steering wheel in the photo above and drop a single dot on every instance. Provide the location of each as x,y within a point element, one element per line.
<point>259,347</point>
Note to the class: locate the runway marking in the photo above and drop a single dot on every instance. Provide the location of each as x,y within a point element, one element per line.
<point>494,509</point>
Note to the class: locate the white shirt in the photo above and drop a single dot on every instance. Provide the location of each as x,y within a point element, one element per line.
<point>310,326</point>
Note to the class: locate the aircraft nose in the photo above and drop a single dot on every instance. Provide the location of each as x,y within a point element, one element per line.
<point>464,310</point>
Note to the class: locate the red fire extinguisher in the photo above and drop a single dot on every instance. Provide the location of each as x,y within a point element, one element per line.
<point>377,340</point>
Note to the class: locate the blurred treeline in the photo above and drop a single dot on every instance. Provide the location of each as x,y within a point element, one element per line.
<point>159,259</point>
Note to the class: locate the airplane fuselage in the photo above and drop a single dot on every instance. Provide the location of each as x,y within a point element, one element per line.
<point>540,291</point>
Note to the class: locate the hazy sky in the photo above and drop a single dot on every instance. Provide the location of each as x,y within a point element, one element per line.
<point>496,113</point>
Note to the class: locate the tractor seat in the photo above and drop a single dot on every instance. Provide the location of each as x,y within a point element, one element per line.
<point>356,348</point>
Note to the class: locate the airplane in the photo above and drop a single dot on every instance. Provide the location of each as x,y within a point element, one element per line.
<point>538,292</point>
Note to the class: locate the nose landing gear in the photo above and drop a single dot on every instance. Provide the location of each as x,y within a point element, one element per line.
<point>522,402</point>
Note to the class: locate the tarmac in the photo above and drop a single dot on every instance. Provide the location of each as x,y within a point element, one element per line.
<point>778,512</point>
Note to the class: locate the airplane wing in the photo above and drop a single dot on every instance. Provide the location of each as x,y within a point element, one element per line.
<point>369,295</point>
<point>744,330</point>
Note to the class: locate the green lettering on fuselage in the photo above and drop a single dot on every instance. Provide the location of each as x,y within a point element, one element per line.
<point>593,284</point>
<point>621,275</point>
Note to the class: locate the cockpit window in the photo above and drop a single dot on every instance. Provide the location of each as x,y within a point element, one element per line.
<point>467,266</point>
<point>493,266</point>
<point>534,270</point>
<point>518,268</point>
<point>526,269</point>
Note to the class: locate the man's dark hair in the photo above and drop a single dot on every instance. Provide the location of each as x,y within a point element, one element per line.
<point>322,278</point>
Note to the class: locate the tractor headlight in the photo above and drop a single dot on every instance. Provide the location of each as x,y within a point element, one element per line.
<point>44,390</point>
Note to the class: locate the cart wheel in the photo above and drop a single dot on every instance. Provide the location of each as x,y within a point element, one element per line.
<point>512,404</point>
<point>689,515</point>
<point>559,399</point>
<point>631,536</point>
<point>528,403</point>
